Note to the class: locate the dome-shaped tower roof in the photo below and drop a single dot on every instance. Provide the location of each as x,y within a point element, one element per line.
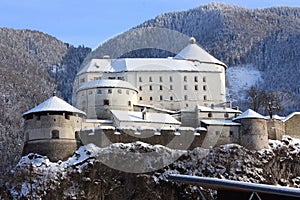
<point>54,104</point>
<point>194,52</point>
<point>106,84</point>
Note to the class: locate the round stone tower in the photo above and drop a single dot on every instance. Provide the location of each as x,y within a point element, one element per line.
<point>52,128</point>
<point>98,97</point>
<point>253,133</point>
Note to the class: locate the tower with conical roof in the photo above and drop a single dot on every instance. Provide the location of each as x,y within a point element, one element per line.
<point>51,129</point>
<point>253,133</point>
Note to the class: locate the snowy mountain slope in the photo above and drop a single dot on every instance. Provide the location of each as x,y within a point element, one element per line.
<point>239,79</point>
<point>85,176</point>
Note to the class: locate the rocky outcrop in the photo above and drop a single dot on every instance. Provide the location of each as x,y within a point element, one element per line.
<point>110,173</point>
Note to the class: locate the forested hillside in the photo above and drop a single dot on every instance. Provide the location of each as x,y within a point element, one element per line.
<point>32,66</point>
<point>268,39</point>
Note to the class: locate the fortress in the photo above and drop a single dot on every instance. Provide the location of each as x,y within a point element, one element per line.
<point>179,102</point>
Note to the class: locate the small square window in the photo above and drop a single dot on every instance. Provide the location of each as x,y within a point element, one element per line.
<point>109,91</point>
<point>141,98</point>
<point>119,91</point>
<point>99,91</point>
<point>90,92</point>
<point>106,102</point>
<point>185,87</point>
<point>209,114</point>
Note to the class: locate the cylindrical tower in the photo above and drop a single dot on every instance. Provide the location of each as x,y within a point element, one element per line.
<point>98,97</point>
<point>253,133</point>
<point>51,129</point>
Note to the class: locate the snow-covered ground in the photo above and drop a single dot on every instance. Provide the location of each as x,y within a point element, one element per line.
<point>240,78</point>
<point>35,176</point>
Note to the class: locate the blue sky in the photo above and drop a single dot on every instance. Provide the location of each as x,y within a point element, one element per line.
<point>91,22</point>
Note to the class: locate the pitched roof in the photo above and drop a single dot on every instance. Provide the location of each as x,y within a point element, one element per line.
<point>54,104</point>
<point>131,116</point>
<point>195,52</point>
<point>290,116</point>
<point>96,65</point>
<point>107,84</point>
<point>249,114</point>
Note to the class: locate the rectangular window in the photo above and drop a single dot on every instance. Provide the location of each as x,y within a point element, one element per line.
<point>196,78</point>
<point>185,87</point>
<point>231,133</point>
<point>150,98</point>
<point>204,79</point>
<point>119,91</point>
<point>204,87</point>
<point>160,87</point>
<point>171,87</point>
<point>185,97</point>
<point>127,92</point>
<point>82,80</point>
<point>140,79</point>
<point>160,97</point>
<point>160,79</point>
<point>140,88</point>
<point>150,87</point>
<point>99,91</point>
<point>129,103</point>
<point>150,79</point>
<point>185,78</point>
<point>171,79</point>
<point>106,102</point>
<point>171,98</point>
<point>196,87</point>
<point>141,98</point>
<point>205,98</point>
<point>109,91</point>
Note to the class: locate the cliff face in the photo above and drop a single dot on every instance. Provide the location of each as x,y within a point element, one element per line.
<point>265,39</point>
<point>32,65</point>
<point>98,173</point>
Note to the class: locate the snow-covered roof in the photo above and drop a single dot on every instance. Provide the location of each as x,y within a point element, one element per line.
<point>131,116</point>
<point>107,84</point>
<point>54,104</point>
<point>195,52</point>
<point>96,65</point>
<point>249,114</point>
<point>217,109</point>
<point>275,117</point>
<point>220,122</point>
<point>290,116</point>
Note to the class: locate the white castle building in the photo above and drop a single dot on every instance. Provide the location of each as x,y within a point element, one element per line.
<point>192,78</point>
<point>178,101</point>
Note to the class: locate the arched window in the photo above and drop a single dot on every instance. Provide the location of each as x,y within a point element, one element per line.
<point>55,134</point>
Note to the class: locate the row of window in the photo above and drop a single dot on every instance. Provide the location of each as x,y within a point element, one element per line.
<point>185,79</point>
<point>106,102</point>
<point>185,87</point>
<point>171,98</point>
<point>109,91</point>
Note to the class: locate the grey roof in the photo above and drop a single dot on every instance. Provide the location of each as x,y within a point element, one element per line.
<point>54,104</point>
<point>107,84</point>
<point>249,114</point>
<point>195,52</point>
